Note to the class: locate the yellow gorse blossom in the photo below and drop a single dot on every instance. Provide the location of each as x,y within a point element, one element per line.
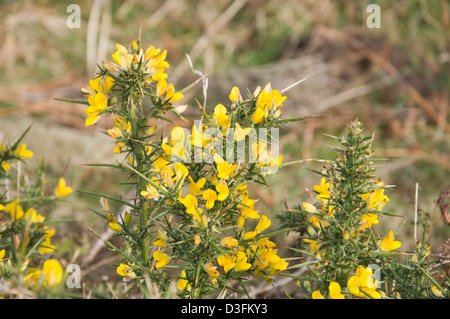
<point>161,258</point>
<point>210,196</point>
<point>183,283</point>
<point>113,224</point>
<point>212,272</point>
<point>268,101</point>
<point>367,220</point>
<point>262,225</point>
<point>222,190</point>
<point>196,187</point>
<point>23,152</point>
<point>125,271</point>
<point>33,217</point>
<point>241,263</point>
<point>97,104</point>
<point>229,242</point>
<point>235,95</point>
<point>14,210</point>
<point>220,114</point>
<point>376,199</point>
<point>53,272</point>
<point>227,262</point>
<point>334,292</point>
<point>46,246</point>
<point>162,239</point>
<point>62,190</point>
<point>150,192</point>
<point>323,190</point>
<point>388,243</point>
<point>167,91</point>
<point>362,284</point>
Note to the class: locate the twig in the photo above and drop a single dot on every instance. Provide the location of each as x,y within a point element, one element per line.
<point>415,212</point>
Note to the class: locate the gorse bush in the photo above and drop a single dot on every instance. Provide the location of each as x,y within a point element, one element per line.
<point>27,268</point>
<point>191,228</point>
<point>349,258</point>
<point>188,225</point>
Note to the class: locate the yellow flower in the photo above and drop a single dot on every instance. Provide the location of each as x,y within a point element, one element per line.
<point>161,258</point>
<point>23,152</point>
<point>195,187</point>
<point>278,266</point>
<point>199,138</point>
<point>263,224</point>
<point>310,208</point>
<point>53,272</point>
<point>367,220</point>
<point>226,262</point>
<point>235,95</point>
<point>268,100</point>
<point>108,83</point>
<point>323,189</point>
<point>224,170</point>
<point>376,199</point>
<point>241,262</point>
<point>33,276</point>
<point>318,222</point>
<point>113,223</point>
<point>197,240</point>
<point>46,246</point>
<point>229,242</point>
<point>125,271</point>
<point>167,92</point>
<point>389,243</point>
<point>258,115</point>
<point>190,202</point>
<point>212,272</point>
<point>240,133</point>
<point>181,172</point>
<point>162,239</point>
<point>14,210</point>
<point>93,88</point>
<point>362,284</point>
<point>120,128</point>
<point>6,166</point>
<point>183,283</point>
<point>210,196</point>
<point>121,57</point>
<point>33,217</point>
<point>317,295</point>
<point>2,254</point>
<point>314,245</point>
<point>97,104</point>
<point>150,192</point>
<point>119,147</point>
<point>335,291</point>
<point>62,190</point>
<point>436,291</point>
<point>246,207</point>
<point>127,217</point>
<point>220,114</point>
<point>223,191</point>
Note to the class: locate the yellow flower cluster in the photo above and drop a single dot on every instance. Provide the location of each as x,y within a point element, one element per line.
<point>133,62</point>
<point>30,233</point>
<point>268,105</point>
<point>361,285</point>
<point>97,98</point>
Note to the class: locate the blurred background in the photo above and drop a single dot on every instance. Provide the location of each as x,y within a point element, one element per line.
<point>394,79</point>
